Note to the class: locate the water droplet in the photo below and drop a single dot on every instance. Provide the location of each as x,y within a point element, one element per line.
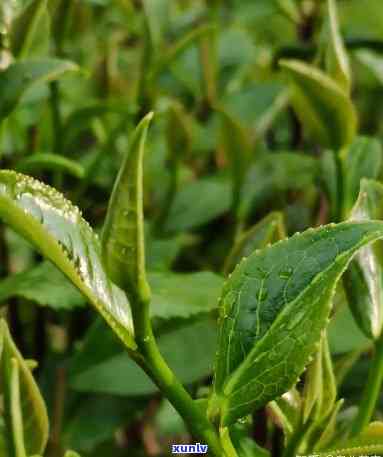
<point>286,273</point>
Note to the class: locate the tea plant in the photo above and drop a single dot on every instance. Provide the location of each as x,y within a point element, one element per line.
<point>235,264</point>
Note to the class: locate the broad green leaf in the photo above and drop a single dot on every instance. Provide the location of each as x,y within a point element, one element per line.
<point>56,228</point>
<point>237,147</point>
<point>362,159</point>
<point>363,279</point>
<point>274,308</point>
<point>94,368</point>
<point>189,210</point>
<point>26,26</point>
<point>322,106</point>
<point>44,161</point>
<point>269,230</point>
<point>369,442</point>
<point>198,293</point>
<point>43,284</point>
<point>337,64</point>
<point>26,417</point>
<point>123,247</point>
<point>20,76</point>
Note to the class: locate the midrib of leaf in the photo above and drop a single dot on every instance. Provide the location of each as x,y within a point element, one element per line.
<point>107,298</point>
<point>339,264</point>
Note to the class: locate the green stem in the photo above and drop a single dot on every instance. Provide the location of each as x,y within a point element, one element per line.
<point>227,443</point>
<point>156,367</point>
<point>371,391</point>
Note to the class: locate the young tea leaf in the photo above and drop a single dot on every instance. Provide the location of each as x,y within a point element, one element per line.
<point>337,64</point>
<point>26,418</point>
<point>274,308</point>
<point>363,279</point>
<point>45,161</point>
<point>322,106</point>
<point>19,76</point>
<point>56,228</point>
<point>123,233</point>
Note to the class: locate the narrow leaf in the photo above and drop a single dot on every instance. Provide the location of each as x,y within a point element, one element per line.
<point>56,228</point>
<point>337,64</point>
<point>286,411</point>
<point>20,76</point>
<point>25,27</point>
<point>25,412</point>
<point>363,279</point>
<point>322,106</point>
<point>274,308</point>
<point>123,233</point>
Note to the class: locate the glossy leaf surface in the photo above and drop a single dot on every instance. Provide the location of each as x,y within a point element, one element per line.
<point>321,105</point>
<point>123,233</point>
<point>26,417</point>
<point>56,228</point>
<point>363,279</point>
<point>19,76</point>
<point>273,309</point>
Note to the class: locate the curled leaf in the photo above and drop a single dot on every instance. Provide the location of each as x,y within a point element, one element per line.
<point>56,228</point>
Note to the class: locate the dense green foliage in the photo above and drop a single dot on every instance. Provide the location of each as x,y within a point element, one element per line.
<point>191,215</point>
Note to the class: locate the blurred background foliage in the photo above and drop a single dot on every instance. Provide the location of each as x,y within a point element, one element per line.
<point>225,150</point>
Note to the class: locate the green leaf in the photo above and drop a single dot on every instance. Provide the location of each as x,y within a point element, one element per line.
<point>321,105</point>
<point>26,417</point>
<point>330,427</point>
<point>274,308</point>
<point>363,159</point>
<point>363,281</point>
<point>189,210</point>
<point>198,294</point>
<point>26,26</point>
<point>20,76</point>
<point>94,368</point>
<point>337,64</point>
<point>123,245</point>
<point>56,228</point>
<point>43,284</point>
<point>269,230</point>
<point>71,454</point>
<point>45,161</point>
<point>369,442</point>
